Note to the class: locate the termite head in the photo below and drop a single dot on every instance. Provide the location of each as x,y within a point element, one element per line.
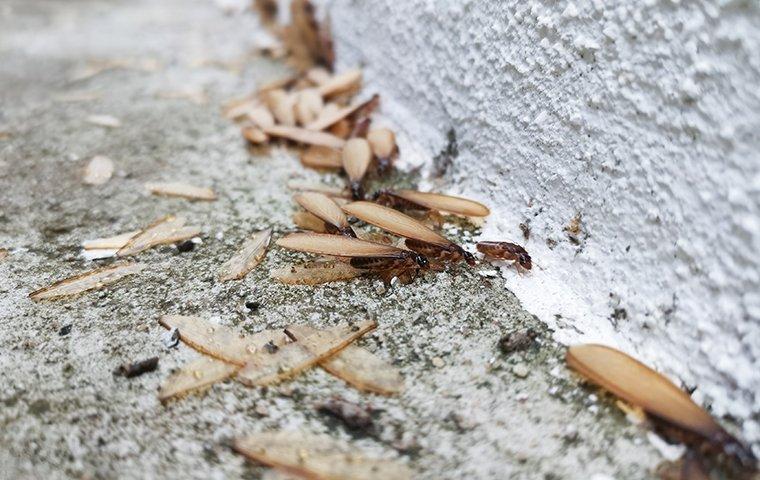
<point>357,190</point>
<point>735,449</point>
<point>468,257</point>
<point>347,231</point>
<point>421,260</point>
<point>524,260</point>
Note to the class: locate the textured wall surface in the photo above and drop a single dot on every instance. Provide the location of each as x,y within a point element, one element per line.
<point>641,118</point>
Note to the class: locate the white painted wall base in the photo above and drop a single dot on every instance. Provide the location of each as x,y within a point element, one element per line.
<point>642,117</point>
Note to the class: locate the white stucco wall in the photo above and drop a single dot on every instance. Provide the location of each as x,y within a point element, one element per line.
<point>641,116</point>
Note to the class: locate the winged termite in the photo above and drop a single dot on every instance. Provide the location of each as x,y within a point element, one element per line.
<point>178,189</point>
<point>358,367</point>
<point>315,273</point>
<point>98,171</point>
<point>374,257</point>
<point>219,341</point>
<point>506,251</point>
<point>383,143</point>
<point>302,135</point>
<point>316,457</point>
<point>169,229</point>
<point>91,280</point>
<point>341,83</point>
<point>327,210</point>
<point>200,373</point>
<point>671,409</point>
<point>264,368</point>
<point>414,200</point>
<point>356,159</point>
<point>419,238</point>
<point>322,157</point>
<point>250,254</point>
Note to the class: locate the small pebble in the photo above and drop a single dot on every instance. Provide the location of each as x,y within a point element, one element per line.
<point>252,306</point>
<point>438,362</point>
<point>488,273</point>
<point>261,410</point>
<point>520,370</point>
<point>65,330</point>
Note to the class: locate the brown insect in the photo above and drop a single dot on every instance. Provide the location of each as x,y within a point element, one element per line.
<point>385,260</point>
<point>356,159</point>
<point>414,200</point>
<point>418,237</point>
<point>383,143</point>
<point>326,210</point>
<point>506,251</point>
<point>670,409</point>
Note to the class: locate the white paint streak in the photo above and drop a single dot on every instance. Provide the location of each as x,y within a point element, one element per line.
<point>641,116</point>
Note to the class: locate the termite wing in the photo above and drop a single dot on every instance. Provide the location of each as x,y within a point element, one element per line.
<point>357,157</point>
<point>383,143</point>
<point>385,260</point>
<point>414,200</point>
<point>670,410</point>
<point>326,210</point>
<point>418,237</point>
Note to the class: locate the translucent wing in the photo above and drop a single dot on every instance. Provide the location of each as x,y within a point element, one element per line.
<point>446,203</point>
<point>394,222</point>
<point>339,246</point>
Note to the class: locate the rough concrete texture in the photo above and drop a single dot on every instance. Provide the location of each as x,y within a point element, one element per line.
<point>64,415</point>
<point>640,119</point>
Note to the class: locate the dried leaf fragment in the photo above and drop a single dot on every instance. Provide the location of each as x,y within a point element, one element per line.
<point>250,254</point>
<point>317,456</point>
<point>199,373</point>
<point>169,229</point>
<point>219,341</point>
<point>177,189</point>
<point>359,367</point>
<point>309,41</point>
<point>265,368</point>
<point>98,171</point>
<point>104,121</point>
<point>94,279</point>
<point>315,273</point>
<point>302,135</point>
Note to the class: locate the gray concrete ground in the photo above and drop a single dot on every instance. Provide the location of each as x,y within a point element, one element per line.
<point>62,412</point>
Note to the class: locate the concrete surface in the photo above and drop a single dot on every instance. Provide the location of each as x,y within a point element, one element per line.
<point>640,118</point>
<point>62,412</point>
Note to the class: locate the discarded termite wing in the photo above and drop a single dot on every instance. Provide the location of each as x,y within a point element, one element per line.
<point>414,200</point>
<point>671,410</point>
<point>357,157</point>
<point>506,251</point>
<point>323,207</point>
<point>419,238</point>
<point>362,254</point>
